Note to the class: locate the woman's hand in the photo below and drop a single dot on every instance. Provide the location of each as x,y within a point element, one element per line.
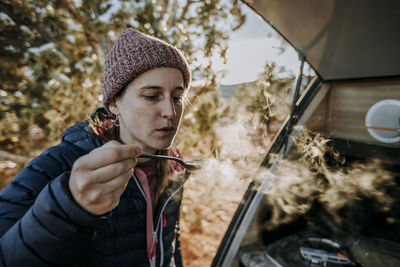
<point>99,178</point>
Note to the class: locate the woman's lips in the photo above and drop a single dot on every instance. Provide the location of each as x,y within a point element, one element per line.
<point>165,131</point>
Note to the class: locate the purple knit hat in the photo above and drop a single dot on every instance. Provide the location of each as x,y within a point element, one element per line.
<point>134,53</point>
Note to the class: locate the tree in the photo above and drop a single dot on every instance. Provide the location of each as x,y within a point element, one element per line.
<point>52,53</point>
<point>268,99</point>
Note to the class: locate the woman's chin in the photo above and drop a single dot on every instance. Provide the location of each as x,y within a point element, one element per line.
<point>162,146</point>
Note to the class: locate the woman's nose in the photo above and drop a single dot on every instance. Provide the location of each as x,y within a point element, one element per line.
<point>168,109</point>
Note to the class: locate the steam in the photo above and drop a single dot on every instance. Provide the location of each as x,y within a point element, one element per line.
<point>318,184</point>
<point>224,178</point>
<point>212,193</point>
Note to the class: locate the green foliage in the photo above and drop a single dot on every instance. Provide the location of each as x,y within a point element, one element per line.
<point>52,53</point>
<point>197,136</point>
<point>269,98</point>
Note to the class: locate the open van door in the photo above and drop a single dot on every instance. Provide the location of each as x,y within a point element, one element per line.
<point>354,102</point>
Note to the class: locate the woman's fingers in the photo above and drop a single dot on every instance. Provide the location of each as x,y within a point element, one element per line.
<point>99,178</point>
<point>114,184</point>
<point>102,198</point>
<point>110,153</point>
<point>109,172</point>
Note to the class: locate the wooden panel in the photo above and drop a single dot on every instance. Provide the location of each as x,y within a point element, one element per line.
<point>346,106</point>
<point>318,120</point>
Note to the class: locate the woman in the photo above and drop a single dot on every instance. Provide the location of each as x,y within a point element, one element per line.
<point>90,201</point>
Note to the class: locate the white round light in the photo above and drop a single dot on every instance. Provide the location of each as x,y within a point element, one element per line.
<point>384,114</point>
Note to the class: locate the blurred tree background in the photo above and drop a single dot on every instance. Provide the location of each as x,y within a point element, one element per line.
<point>52,53</point>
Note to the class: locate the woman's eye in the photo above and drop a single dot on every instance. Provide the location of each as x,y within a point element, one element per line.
<point>151,97</point>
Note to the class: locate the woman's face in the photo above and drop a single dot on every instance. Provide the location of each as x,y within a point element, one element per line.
<point>150,109</point>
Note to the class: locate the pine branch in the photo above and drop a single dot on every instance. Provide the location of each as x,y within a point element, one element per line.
<point>165,6</point>
<point>49,37</point>
<point>90,37</point>
<point>162,14</point>
<point>175,11</point>
<point>13,157</point>
<point>185,10</point>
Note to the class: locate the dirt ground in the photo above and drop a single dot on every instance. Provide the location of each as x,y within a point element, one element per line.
<point>207,209</point>
<point>6,173</point>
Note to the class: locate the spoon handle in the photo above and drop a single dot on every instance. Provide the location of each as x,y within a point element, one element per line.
<point>150,156</point>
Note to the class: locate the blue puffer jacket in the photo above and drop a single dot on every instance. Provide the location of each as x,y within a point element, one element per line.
<point>42,225</point>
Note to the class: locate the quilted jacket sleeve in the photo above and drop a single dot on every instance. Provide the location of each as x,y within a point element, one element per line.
<point>40,223</point>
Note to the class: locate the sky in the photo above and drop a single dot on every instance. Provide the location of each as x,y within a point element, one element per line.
<point>250,48</point>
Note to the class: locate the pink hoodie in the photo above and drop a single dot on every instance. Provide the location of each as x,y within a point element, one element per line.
<point>146,174</point>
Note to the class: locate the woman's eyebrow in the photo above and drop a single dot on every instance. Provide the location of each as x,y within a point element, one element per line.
<point>155,87</point>
<point>149,87</point>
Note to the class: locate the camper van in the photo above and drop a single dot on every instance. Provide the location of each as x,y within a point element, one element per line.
<point>341,142</point>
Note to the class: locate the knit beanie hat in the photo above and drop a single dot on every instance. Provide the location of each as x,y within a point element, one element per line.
<point>134,53</point>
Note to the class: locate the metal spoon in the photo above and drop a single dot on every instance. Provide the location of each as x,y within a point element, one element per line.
<point>193,165</point>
